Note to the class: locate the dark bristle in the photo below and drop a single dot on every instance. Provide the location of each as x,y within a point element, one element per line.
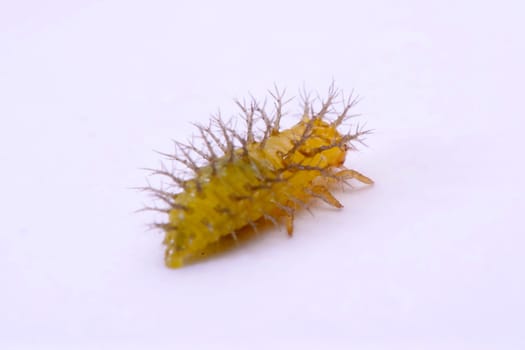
<point>348,104</point>
<point>208,157</point>
<point>155,209</point>
<point>188,161</point>
<point>215,139</point>
<point>268,126</point>
<point>236,197</point>
<point>300,167</point>
<point>304,137</point>
<point>222,210</point>
<point>326,105</point>
<point>243,141</point>
<point>264,186</point>
<point>248,116</point>
<point>165,226</point>
<point>271,218</point>
<point>163,172</point>
<point>206,141</point>
<point>160,194</point>
<point>230,149</point>
<point>278,105</point>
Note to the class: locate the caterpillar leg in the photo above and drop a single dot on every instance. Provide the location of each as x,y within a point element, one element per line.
<point>289,223</point>
<point>324,194</point>
<point>348,174</point>
<point>287,211</point>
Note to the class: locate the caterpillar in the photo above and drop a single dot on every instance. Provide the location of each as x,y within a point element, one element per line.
<point>234,180</point>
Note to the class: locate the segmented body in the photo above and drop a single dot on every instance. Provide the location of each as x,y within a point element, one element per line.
<point>259,179</point>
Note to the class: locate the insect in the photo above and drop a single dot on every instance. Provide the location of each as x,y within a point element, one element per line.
<point>233,180</point>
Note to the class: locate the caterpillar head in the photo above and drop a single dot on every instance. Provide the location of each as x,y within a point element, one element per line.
<point>318,143</point>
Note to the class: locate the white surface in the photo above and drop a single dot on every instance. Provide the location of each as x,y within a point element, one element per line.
<point>430,257</point>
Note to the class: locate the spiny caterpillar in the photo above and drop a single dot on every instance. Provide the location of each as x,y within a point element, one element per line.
<point>236,180</point>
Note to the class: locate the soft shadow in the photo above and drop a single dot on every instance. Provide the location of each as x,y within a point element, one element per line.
<point>244,237</point>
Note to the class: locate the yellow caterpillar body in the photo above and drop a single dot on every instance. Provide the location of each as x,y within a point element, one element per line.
<point>243,179</point>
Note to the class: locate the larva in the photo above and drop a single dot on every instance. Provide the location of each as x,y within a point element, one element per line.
<point>234,180</point>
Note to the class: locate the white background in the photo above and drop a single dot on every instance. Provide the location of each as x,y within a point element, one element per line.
<point>430,257</point>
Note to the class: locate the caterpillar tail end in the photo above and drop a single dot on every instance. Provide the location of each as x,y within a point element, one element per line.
<point>174,261</point>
